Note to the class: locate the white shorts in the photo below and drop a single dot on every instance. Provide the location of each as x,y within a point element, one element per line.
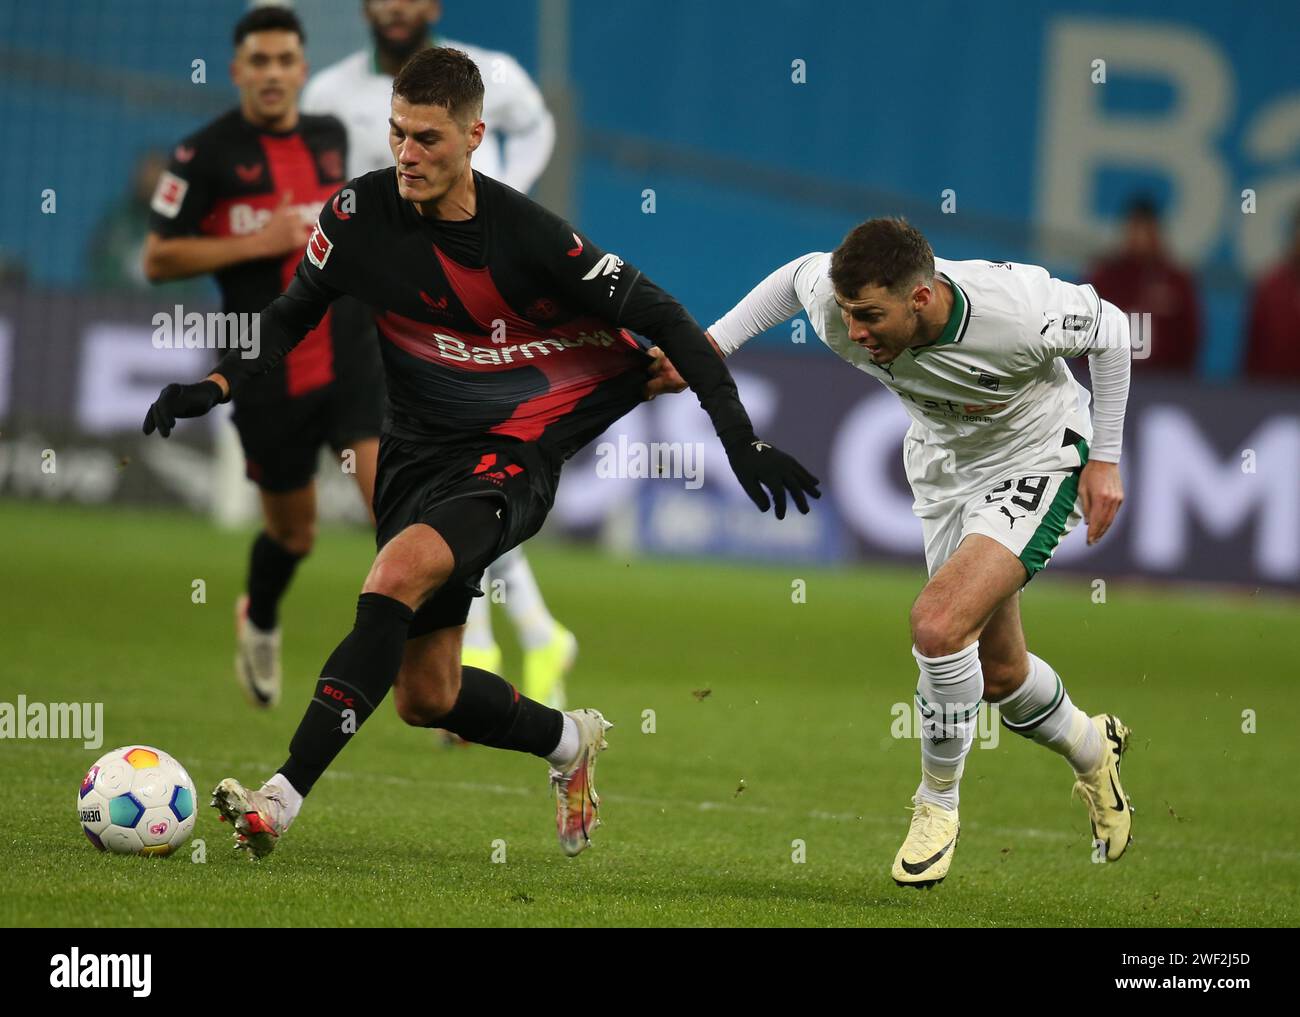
<point>1028,513</point>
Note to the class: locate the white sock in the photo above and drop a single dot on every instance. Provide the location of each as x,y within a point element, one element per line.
<point>948,693</point>
<point>1041,710</point>
<point>289,798</point>
<point>478,626</point>
<point>523,600</point>
<point>567,751</point>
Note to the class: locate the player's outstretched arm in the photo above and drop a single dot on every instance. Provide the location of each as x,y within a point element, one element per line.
<point>773,301</point>
<point>606,285</point>
<point>282,325</point>
<point>284,322</point>
<point>776,299</point>
<point>761,468</point>
<point>176,401</point>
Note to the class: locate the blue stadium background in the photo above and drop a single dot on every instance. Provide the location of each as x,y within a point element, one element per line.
<point>696,101</point>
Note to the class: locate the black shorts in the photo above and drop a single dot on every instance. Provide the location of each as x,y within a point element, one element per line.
<point>483,501</point>
<point>282,439</point>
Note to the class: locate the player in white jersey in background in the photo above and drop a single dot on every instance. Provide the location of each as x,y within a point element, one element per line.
<point>519,138</point>
<point>1000,455</point>
<point>520,133</point>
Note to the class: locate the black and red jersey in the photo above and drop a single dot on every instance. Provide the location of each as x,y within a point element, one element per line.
<point>225,180</point>
<point>510,324</point>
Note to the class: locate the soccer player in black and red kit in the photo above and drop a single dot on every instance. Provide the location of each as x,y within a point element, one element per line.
<point>238,200</point>
<point>507,345</point>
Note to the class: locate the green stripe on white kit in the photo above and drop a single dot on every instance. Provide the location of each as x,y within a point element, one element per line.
<point>1038,552</point>
<point>1026,726</point>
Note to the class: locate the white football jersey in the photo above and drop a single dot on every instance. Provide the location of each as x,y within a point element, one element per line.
<point>992,393</point>
<point>520,130</point>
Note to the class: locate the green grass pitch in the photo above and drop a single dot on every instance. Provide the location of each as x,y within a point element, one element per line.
<point>792,744</point>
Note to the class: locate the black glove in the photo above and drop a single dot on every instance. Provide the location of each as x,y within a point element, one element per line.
<point>757,464</point>
<point>180,401</point>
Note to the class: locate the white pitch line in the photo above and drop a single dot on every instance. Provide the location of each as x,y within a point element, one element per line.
<point>517,791</point>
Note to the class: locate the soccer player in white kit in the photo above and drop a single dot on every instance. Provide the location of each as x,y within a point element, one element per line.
<point>519,138</point>
<point>1002,456</point>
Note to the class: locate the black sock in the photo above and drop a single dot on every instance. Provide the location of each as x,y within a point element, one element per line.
<point>270,567</point>
<point>356,677</point>
<point>490,711</point>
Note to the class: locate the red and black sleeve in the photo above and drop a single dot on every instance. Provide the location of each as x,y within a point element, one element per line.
<point>603,284</point>
<point>286,320</point>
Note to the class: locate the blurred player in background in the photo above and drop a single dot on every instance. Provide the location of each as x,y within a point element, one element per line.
<point>115,254</point>
<point>1141,277</point>
<point>476,433</point>
<point>1000,447</point>
<point>520,135</point>
<point>1273,324</point>
<point>238,200</point>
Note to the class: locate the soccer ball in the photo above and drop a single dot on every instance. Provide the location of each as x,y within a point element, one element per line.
<point>136,800</point>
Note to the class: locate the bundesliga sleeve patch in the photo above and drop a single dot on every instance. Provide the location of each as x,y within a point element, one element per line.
<point>319,247</point>
<point>169,195</point>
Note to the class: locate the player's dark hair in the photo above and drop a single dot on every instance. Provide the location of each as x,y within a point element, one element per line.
<point>442,76</point>
<point>881,252</point>
<point>268,19</point>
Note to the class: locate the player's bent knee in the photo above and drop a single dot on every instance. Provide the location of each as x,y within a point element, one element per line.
<point>936,631</point>
<point>402,581</point>
<point>297,540</point>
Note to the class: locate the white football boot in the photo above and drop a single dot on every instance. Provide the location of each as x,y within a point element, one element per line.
<point>577,806</point>
<point>927,852</point>
<point>259,817</point>
<point>257,658</point>
<point>1109,808</point>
